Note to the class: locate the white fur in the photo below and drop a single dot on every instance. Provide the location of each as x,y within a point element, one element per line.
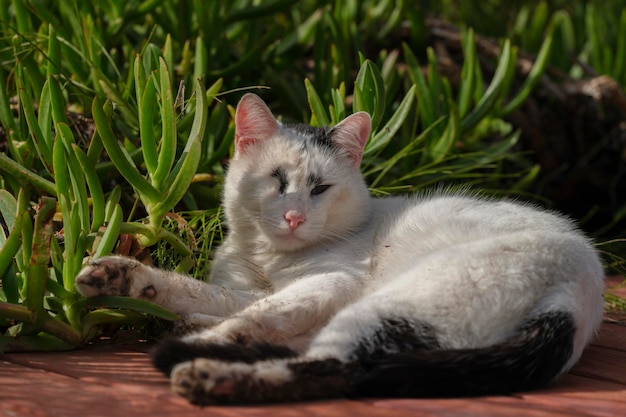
<point>474,269</point>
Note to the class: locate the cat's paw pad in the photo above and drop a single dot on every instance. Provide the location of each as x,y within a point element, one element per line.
<point>206,381</point>
<point>111,275</point>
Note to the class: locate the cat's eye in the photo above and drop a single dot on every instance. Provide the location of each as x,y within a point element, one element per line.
<point>319,189</point>
<point>279,174</point>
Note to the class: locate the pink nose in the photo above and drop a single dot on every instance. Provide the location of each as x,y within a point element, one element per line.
<point>294,218</point>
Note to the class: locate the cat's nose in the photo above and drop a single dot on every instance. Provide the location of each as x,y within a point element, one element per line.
<point>294,218</point>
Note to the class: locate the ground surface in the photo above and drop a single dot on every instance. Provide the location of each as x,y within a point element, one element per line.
<point>118,380</point>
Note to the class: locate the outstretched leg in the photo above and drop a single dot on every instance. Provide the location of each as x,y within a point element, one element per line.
<point>194,300</point>
<point>171,352</point>
<point>381,363</point>
<point>334,362</point>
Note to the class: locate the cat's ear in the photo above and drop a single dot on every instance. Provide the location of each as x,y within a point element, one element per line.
<point>351,135</point>
<point>253,122</point>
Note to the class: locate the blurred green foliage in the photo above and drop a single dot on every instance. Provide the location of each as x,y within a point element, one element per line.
<point>116,119</point>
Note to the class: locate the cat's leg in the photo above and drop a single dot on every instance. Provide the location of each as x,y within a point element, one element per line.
<point>208,381</point>
<point>175,351</point>
<point>286,319</point>
<point>290,317</point>
<point>328,369</point>
<point>199,303</point>
<point>387,357</point>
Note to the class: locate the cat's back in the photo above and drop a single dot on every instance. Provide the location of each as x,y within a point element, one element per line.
<point>452,218</point>
<point>465,230</point>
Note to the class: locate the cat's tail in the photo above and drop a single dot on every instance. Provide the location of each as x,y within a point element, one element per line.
<point>539,352</point>
<point>532,359</point>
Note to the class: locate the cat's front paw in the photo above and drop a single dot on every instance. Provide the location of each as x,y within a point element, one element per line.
<point>110,275</point>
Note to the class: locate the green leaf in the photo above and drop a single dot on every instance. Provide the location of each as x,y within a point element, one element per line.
<point>201,59</point>
<point>57,101</point>
<point>387,132</point>
<point>369,93</point>
<point>538,24</point>
<point>11,285</point>
<point>13,242</point>
<point>63,188</point>
<point>319,117</point>
<point>435,83</point>
<point>168,55</point>
<point>95,188</point>
<point>214,89</point>
<point>534,76</point>
<point>141,306</point>
<point>524,182</point>
<point>505,66</point>
<point>54,52</point>
<point>466,90</point>
<point>76,174</point>
<point>109,316</point>
<point>427,112</point>
<point>619,66</point>
<point>146,126</point>
<point>111,234</point>
<point>37,275</point>
<point>167,152</point>
<point>200,115</point>
<point>125,166</point>
<point>140,81</point>
<point>26,102</point>
<point>6,113</point>
<point>8,208</point>
<point>181,178</point>
<point>44,120</point>
<point>440,149</point>
<point>114,198</point>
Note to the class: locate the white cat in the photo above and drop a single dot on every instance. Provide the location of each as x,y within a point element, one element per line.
<point>322,291</point>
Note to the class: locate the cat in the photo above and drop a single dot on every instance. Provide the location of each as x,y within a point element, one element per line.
<point>321,291</point>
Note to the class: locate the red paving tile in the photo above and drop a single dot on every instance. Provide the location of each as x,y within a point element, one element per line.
<point>107,380</point>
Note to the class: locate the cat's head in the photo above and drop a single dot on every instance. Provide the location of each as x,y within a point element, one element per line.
<point>294,186</point>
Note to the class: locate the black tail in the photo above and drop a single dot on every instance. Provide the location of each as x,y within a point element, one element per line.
<point>530,360</point>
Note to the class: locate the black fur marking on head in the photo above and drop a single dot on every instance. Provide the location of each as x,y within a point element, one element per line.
<point>171,352</point>
<point>532,359</point>
<point>315,136</point>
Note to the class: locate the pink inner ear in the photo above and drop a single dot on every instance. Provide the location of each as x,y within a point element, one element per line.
<point>352,134</point>
<point>253,122</point>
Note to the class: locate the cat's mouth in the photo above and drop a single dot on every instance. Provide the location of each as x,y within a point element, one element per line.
<point>290,240</point>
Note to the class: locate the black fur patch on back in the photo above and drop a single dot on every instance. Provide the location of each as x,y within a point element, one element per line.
<point>530,360</point>
<point>396,335</point>
<point>171,352</point>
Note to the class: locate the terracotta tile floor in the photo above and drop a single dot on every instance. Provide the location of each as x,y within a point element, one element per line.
<point>107,380</point>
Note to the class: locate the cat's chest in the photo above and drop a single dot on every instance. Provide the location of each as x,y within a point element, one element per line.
<point>320,263</point>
